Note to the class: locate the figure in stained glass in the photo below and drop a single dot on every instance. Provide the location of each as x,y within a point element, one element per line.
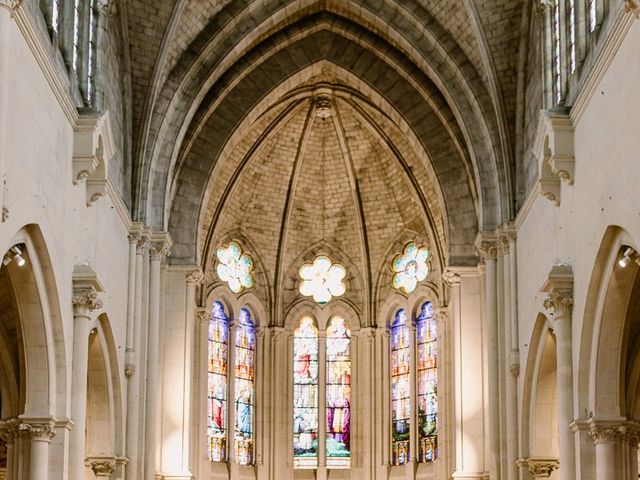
<point>244,388</point>
<point>427,384</point>
<point>217,384</point>
<point>305,394</point>
<point>400,389</point>
<point>338,387</point>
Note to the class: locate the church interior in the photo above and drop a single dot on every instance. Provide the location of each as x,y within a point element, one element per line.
<point>319,239</point>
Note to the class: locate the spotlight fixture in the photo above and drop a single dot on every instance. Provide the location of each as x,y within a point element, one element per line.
<point>627,256</point>
<point>17,256</point>
<point>14,253</point>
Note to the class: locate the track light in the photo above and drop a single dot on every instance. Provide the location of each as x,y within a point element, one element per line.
<point>627,256</point>
<point>14,253</point>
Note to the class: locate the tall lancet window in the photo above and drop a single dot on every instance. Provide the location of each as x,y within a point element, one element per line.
<point>244,388</point>
<point>592,7</point>
<point>556,65</point>
<point>305,394</point>
<point>338,442</point>
<point>217,384</point>
<point>427,385</point>
<point>400,389</point>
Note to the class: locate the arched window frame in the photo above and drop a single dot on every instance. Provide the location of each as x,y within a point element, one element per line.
<point>233,307</point>
<point>413,305</point>
<point>570,31</point>
<point>73,27</point>
<point>322,316</point>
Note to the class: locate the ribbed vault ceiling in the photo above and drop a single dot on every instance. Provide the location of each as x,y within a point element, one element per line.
<point>424,101</point>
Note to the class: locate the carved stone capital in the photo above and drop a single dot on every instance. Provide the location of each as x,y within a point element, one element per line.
<point>9,430</point>
<point>108,8</point>
<point>487,250</point>
<point>277,332</point>
<point>38,432</point>
<point>539,467</point>
<point>160,246</point>
<point>195,277</point>
<point>632,7</point>
<point>542,6</point>
<point>606,432</point>
<point>85,300</point>
<point>442,316</point>
<point>632,434</point>
<point>559,303</point>
<point>102,466</point>
<point>143,244</point>
<point>451,278</point>
<point>203,315</point>
<point>158,251</point>
<point>367,333</point>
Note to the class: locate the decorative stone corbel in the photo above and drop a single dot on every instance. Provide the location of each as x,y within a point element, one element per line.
<point>93,148</point>
<point>553,148</point>
<point>102,466</point>
<point>539,467</point>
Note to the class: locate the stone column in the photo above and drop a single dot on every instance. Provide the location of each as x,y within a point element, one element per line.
<point>633,439</point>
<point>134,237</point>
<point>260,399</point>
<point>486,246</point>
<point>510,373</point>
<point>194,278</point>
<point>231,388</point>
<point>559,303</point>
<point>102,467</point>
<point>203,316</point>
<point>322,405</point>
<point>40,435</point>
<point>7,10</point>
<point>366,394</point>
<point>85,300</point>
<point>9,433</point>
<point>133,376</point>
<point>604,437</point>
<point>160,244</point>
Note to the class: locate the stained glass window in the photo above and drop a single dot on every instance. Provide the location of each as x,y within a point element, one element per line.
<point>338,442</point>
<point>410,267</point>
<point>217,384</point>
<point>55,15</point>
<point>555,33</point>
<point>244,388</point>
<point>400,389</point>
<point>235,267</point>
<point>91,67</point>
<point>305,394</point>
<point>76,34</point>
<point>427,385</point>
<point>322,279</point>
<point>592,6</point>
<point>571,24</point>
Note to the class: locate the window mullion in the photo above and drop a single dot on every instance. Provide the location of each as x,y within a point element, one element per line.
<point>231,385</point>
<point>322,401</point>
<point>413,436</point>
